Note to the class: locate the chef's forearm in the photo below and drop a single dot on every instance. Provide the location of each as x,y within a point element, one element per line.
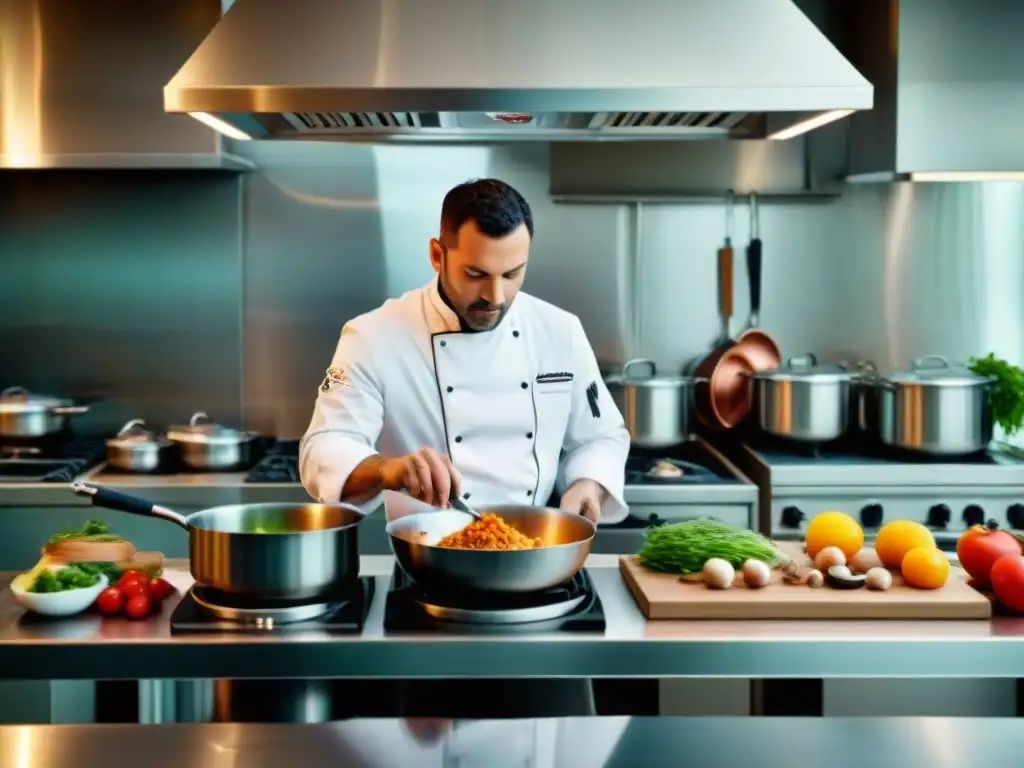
<point>365,482</point>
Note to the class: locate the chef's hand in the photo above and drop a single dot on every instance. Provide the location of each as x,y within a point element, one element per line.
<point>425,475</point>
<point>584,497</point>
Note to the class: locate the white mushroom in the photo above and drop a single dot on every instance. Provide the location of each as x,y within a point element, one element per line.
<point>756,573</point>
<point>865,560</point>
<point>718,573</point>
<point>878,578</point>
<point>828,557</point>
<point>815,579</point>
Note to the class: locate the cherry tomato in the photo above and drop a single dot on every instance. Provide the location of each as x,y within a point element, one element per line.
<point>133,588</point>
<point>138,606</point>
<point>110,601</point>
<point>160,589</point>
<point>133,577</point>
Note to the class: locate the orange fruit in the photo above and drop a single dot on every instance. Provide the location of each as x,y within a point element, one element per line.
<point>897,538</point>
<point>925,568</point>
<point>834,529</point>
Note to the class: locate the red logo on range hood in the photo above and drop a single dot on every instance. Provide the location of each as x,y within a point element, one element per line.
<point>514,118</point>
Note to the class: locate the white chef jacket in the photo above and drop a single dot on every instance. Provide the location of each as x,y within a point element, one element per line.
<point>520,409</point>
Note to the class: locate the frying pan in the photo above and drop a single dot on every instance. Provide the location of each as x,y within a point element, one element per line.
<point>316,554</point>
<point>565,543</point>
<point>759,347</point>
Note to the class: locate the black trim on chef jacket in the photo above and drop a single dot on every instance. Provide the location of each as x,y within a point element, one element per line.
<point>440,391</point>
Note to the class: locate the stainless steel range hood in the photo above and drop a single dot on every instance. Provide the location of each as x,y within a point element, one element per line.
<point>493,70</point>
<point>949,78</point>
<point>80,85</point>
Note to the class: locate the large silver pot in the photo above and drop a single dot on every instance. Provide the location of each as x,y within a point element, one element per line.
<point>259,551</point>
<point>565,537</point>
<point>137,449</point>
<point>206,446</point>
<point>936,409</point>
<point>803,400</point>
<point>658,410</point>
<point>23,414</point>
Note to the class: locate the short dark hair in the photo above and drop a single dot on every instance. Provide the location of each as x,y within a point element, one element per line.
<point>496,207</point>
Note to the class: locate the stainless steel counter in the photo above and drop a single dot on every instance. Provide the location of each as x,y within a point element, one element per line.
<point>89,647</point>
<point>600,742</point>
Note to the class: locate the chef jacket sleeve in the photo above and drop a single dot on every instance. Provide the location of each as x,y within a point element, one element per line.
<point>347,420</point>
<point>596,441</point>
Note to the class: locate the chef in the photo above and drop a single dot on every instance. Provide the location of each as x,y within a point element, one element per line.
<point>468,386</point>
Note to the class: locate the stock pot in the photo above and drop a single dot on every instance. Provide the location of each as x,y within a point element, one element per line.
<point>658,410</point>
<point>23,414</point>
<point>136,449</point>
<point>935,409</point>
<point>803,400</point>
<point>207,446</point>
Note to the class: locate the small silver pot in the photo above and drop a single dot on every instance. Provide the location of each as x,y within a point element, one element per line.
<point>137,449</point>
<point>658,410</point>
<point>207,446</point>
<point>936,409</point>
<point>23,414</point>
<point>803,400</point>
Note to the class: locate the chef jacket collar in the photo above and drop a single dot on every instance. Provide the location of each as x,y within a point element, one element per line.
<point>442,318</point>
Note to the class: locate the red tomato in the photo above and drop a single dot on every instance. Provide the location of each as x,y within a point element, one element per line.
<point>138,606</point>
<point>1008,581</point>
<point>110,601</point>
<point>133,577</point>
<point>980,547</point>
<point>133,588</point>
<point>160,589</point>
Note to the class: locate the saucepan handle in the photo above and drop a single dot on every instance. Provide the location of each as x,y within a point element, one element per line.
<point>125,502</point>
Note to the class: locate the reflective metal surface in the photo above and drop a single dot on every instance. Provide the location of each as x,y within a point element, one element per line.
<point>658,410</point>
<point>78,90</point>
<point>597,742</point>
<point>950,106</point>
<point>89,647</point>
<point>292,551</point>
<point>565,544</point>
<point>643,70</point>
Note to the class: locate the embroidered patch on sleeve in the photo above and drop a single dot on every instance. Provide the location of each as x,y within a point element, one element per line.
<point>335,377</point>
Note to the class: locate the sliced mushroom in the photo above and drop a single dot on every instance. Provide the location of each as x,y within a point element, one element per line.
<point>839,577</point>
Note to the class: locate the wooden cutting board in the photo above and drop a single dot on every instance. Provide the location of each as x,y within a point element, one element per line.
<point>664,596</point>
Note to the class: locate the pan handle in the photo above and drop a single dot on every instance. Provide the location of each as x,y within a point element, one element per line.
<point>125,502</point>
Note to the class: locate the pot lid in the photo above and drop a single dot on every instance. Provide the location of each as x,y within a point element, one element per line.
<point>641,372</point>
<point>135,434</point>
<point>935,371</point>
<point>20,400</point>
<point>201,430</point>
<point>806,368</point>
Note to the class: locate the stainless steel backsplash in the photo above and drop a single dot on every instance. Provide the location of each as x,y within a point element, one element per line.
<point>146,289</point>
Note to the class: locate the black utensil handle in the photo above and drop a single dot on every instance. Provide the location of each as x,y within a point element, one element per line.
<point>754,273</point>
<point>111,499</point>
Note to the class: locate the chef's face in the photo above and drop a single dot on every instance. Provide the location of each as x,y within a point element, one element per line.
<point>481,275</point>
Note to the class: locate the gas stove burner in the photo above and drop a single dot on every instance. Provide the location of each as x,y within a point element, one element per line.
<point>642,470</point>
<point>280,465</point>
<point>205,609</point>
<point>574,606</point>
<point>53,459</point>
<point>260,613</point>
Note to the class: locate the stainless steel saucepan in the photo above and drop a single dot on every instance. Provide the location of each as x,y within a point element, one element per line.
<point>23,414</point>
<point>210,447</point>
<point>565,543</point>
<point>657,410</point>
<point>271,551</point>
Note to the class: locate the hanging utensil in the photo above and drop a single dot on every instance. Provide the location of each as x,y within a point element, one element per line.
<point>754,264</point>
<point>725,263</point>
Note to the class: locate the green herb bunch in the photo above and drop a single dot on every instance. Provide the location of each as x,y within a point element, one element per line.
<point>684,547</point>
<point>1007,394</point>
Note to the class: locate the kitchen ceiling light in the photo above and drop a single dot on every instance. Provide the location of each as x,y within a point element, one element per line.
<point>810,123</point>
<point>221,126</point>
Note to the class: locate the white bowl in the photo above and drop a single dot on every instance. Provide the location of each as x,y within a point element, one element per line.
<point>66,603</point>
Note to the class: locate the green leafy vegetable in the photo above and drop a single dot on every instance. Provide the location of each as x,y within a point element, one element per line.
<point>110,570</point>
<point>685,547</point>
<point>91,530</point>
<point>1007,394</point>
<point>69,577</point>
